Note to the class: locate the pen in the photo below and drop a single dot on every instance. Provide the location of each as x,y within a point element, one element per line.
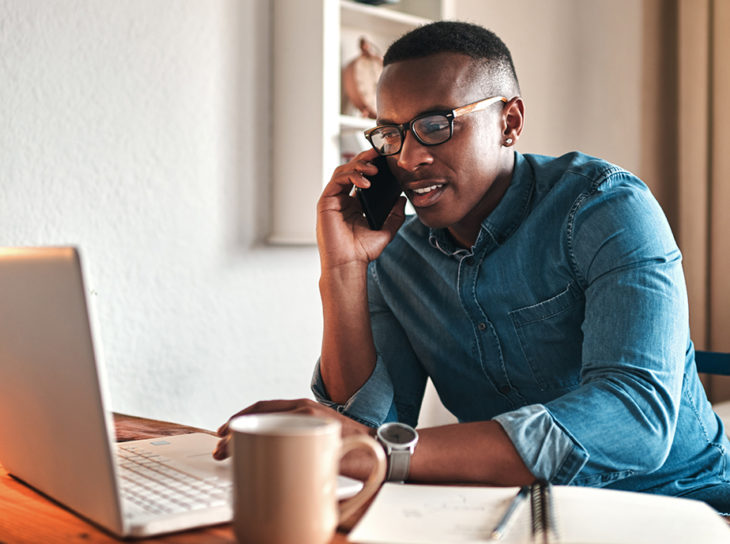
<point>501,527</point>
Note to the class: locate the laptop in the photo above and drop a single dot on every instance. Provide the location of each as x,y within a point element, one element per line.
<point>55,433</point>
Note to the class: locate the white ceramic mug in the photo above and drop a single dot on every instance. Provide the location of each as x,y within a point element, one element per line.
<point>285,471</point>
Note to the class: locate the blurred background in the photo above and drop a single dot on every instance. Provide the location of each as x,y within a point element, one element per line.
<point>169,140</point>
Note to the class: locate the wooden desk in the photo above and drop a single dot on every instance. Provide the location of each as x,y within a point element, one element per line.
<point>26,517</point>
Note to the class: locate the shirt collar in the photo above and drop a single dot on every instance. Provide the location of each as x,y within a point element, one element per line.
<point>504,219</point>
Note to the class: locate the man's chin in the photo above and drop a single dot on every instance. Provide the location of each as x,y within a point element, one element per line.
<point>431,218</point>
<point>432,223</point>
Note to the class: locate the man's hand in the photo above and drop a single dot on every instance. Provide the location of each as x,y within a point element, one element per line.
<point>357,464</point>
<point>343,235</point>
<point>479,452</point>
<point>346,246</point>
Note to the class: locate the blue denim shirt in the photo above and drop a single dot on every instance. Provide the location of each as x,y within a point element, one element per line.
<point>566,322</point>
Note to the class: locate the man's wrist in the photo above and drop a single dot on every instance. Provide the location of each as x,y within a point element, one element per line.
<point>343,273</point>
<point>399,441</point>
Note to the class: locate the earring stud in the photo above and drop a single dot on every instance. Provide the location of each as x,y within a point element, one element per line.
<point>508,141</point>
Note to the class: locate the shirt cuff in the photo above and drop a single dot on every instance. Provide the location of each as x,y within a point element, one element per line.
<point>547,450</point>
<point>371,405</point>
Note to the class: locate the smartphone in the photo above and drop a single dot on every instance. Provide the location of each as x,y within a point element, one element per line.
<point>378,199</point>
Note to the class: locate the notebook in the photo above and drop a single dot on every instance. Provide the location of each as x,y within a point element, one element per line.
<point>57,436</point>
<point>426,514</point>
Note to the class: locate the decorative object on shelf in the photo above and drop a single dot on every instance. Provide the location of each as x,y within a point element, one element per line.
<point>360,77</point>
<point>377,2</point>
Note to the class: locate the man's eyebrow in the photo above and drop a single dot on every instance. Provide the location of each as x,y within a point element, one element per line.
<point>434,109</point>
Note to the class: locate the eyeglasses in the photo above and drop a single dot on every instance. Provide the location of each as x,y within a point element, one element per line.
<point>431,128</point>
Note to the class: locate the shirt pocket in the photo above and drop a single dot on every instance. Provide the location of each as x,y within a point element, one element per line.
<point>551,339</point>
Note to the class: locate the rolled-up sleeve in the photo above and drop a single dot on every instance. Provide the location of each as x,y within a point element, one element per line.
<point>621,419</point>
<point>370,405</point>
<point>547,449</point>
<point>378,401</point>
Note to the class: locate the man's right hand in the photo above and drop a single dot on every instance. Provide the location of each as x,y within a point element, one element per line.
<point>343,235</point>
<point>346,246</point>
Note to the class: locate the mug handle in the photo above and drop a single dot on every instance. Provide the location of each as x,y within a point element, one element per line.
<point>376,477</point>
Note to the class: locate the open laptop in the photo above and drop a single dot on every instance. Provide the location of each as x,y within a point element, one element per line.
<point>57,436</point>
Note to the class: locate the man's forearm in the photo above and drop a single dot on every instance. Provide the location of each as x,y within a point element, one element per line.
<point>479,452</point>
<point>348,351</point>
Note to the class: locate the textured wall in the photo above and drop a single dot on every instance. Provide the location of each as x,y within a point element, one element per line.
<point>580,68</point>
<point>138,130</point>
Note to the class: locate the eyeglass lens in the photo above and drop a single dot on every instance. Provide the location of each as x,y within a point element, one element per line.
<point>429,130</point>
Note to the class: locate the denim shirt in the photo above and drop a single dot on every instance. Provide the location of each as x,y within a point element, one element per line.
<point>566,322</point>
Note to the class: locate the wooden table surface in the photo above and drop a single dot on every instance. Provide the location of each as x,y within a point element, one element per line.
<point>27,517</point>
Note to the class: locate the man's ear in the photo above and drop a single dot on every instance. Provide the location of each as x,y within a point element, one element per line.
<point>513,119</point>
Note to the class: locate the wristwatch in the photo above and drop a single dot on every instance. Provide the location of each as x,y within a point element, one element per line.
<point>399,441</point>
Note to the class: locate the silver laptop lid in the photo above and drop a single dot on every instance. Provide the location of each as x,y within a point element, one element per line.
<point>54,432</point>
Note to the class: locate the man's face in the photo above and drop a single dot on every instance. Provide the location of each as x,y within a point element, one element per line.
<point>448,184</point>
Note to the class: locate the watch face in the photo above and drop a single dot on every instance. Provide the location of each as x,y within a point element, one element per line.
<point>398,433</point>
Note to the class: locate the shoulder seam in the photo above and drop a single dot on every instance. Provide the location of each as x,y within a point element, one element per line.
<point>601,178</point>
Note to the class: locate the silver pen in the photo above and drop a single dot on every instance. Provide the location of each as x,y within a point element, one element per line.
<point>501,528</point>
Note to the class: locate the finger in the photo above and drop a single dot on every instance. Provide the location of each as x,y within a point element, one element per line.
<point>223,429</point>
<point>367,155</point>
<point>361,163</point>
<point>222,450</point>
<point>343,180</point>
<point>299,407</point>
<point>279,405</point>
<point>265,406</point>
<point>352,174</point>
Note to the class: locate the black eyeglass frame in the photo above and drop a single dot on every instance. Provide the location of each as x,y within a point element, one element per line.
<point>450,115</point>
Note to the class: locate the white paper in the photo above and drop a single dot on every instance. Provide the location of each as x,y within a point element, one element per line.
<point>419,514</point>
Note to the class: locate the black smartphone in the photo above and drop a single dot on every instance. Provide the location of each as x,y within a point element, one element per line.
<point>378,199</point>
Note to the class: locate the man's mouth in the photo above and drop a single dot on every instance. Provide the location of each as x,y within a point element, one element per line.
<point>426,190</point>
<point>422,197</point>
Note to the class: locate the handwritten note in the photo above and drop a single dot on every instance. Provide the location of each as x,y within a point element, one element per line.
<point>417,514</point>
<point>425,514</point>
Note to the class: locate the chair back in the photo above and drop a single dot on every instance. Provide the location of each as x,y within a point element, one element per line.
<point>713,362</point>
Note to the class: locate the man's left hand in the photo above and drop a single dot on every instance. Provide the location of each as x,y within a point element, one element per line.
<point>299,406</point>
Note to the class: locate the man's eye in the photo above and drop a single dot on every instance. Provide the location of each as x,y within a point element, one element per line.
<point>390,135</point>
<point>430,125</point>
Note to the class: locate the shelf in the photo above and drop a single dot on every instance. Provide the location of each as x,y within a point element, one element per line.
<point>385,20</point>
<point>352,123</point>
<point>312,131</point>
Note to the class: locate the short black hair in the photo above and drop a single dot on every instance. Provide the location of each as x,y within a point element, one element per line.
<point>458,37</point>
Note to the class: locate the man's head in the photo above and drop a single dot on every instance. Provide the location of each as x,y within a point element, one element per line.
<point>492,58</point>
<point>453,181</point>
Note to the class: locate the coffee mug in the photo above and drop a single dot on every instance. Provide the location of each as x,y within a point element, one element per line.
<point>285,469</point>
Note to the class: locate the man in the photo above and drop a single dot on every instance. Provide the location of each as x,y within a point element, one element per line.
<point>543,296</point>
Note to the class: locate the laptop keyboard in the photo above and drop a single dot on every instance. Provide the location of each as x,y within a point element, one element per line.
<point>150,485</point>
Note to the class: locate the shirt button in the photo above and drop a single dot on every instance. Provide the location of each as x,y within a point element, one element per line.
<point>482,326</point>
<point>504,389</point>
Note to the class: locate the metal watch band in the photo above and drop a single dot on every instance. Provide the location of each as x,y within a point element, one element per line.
<point>399,462</point>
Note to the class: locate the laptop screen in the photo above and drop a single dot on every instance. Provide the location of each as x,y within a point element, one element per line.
<point>54,431</point>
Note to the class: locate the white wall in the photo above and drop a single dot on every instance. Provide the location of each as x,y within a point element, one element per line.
<point>138,130</point>
<point>579,66</point>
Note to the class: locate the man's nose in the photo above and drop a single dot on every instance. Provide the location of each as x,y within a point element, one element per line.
<point>413,153</point>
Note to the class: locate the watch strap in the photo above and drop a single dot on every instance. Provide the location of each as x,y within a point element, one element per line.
<point>399,463</point>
